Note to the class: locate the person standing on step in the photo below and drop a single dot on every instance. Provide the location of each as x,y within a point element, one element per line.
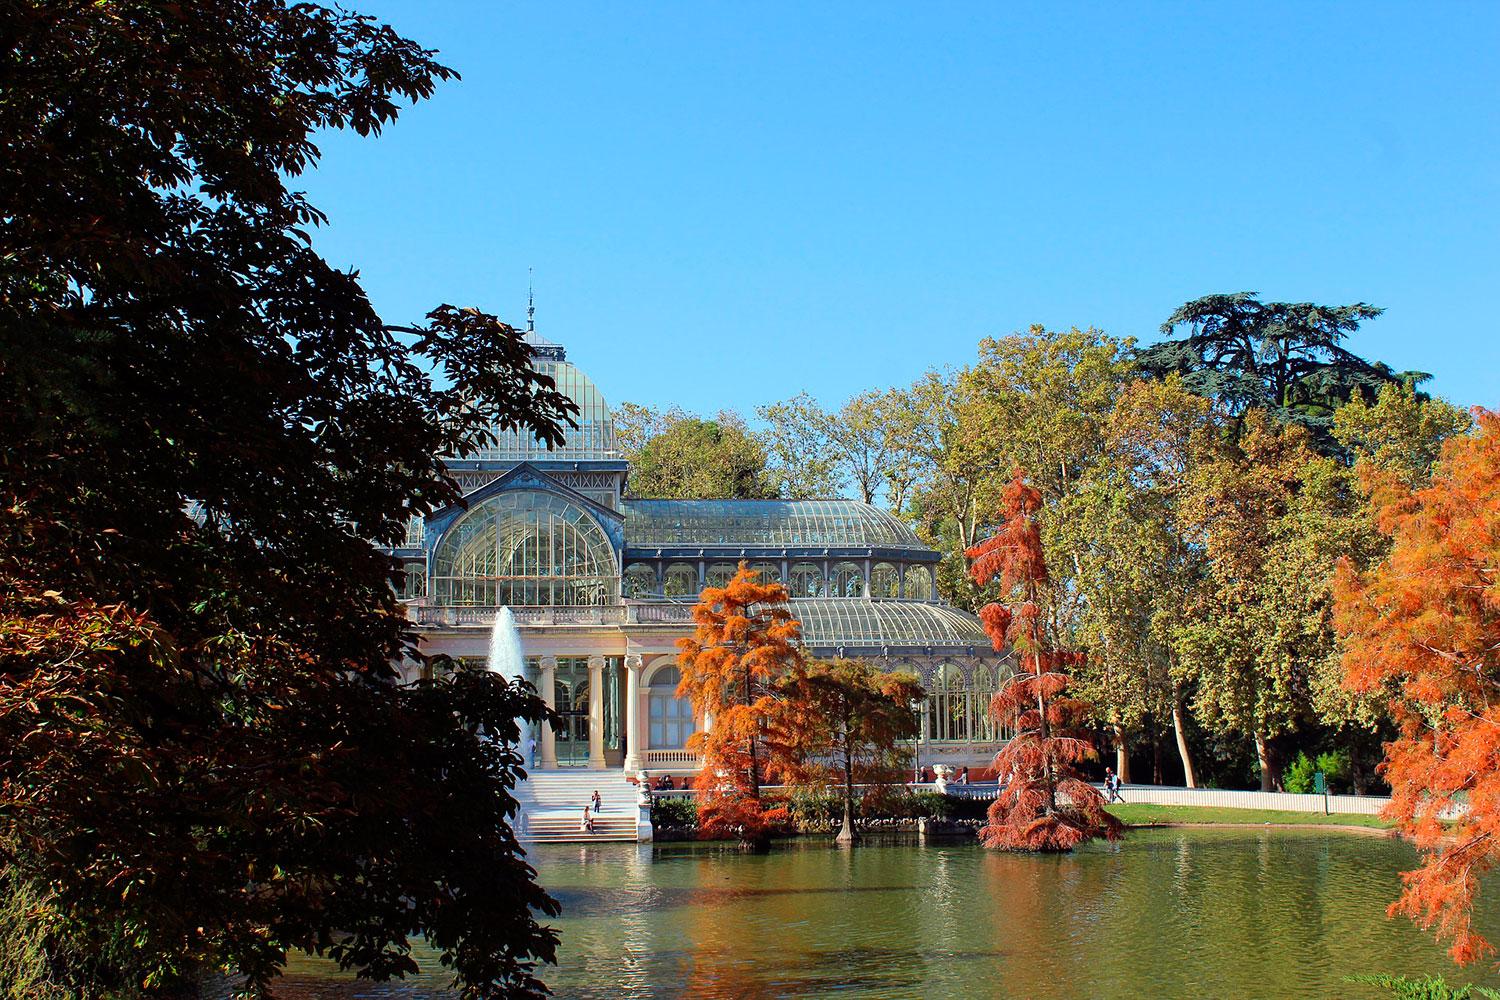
<point>598,803</point>
<point>531,746</point>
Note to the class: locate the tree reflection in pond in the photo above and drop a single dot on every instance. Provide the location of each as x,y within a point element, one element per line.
<point>1221,913</point>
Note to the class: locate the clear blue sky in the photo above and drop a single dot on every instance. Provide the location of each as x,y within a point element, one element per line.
<point>726,204</point>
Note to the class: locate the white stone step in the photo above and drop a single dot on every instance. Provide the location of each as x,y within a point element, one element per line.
<point>552,806</point>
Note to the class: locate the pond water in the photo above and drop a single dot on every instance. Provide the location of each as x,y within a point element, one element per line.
<point>1167,913</point>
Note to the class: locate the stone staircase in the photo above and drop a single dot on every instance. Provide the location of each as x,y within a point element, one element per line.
<point>552,806</point>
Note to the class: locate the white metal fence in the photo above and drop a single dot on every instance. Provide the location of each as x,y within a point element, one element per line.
<point>1365,805</point>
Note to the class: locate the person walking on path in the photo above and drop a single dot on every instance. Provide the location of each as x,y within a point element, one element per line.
<point>1112,786</point>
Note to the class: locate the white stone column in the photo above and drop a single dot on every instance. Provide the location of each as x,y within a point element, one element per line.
<point>634,738</point>
<point>547,688</point>
<point>596,713</point>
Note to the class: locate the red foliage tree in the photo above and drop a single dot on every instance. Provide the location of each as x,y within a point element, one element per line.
<point>1046,804</point>
<point>1427,621</point>
<point>745,646</point>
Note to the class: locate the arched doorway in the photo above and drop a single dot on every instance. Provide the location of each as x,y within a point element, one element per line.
<point>572,703</point>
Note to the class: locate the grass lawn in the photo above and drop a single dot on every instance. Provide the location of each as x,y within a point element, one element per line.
<point>1140,814</point>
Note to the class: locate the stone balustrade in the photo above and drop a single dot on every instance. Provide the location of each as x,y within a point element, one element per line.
<point>424,613</point>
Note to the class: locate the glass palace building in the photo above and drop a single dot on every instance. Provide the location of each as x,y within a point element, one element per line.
<point>601,586</point>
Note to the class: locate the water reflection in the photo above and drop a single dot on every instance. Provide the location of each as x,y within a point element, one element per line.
<point>1170,913</point>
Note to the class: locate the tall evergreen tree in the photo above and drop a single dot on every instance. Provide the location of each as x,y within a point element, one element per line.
<point>1286,358</point>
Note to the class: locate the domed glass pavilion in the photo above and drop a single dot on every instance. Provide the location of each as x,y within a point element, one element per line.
<point>602,584</point>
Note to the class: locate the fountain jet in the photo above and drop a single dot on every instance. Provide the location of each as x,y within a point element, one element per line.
<point>507,660</point>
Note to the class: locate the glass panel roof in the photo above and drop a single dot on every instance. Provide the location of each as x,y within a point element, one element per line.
<point>593,439</point>
<point>764,524</point>
<point>859,622</point>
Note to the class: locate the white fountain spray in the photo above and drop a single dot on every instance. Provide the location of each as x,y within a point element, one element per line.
<point>507,660</point>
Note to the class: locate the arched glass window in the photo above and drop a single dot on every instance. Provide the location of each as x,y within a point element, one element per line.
<point>806,580</point>
<point>884,581</point>
<point>846,579</point>
<point>770,572</point>
<point>525,548</point>
<point>918,583</point>
<point>985,727</point>
<point>414,583</point>
<point>947,706</point>
<point>640,581</point>
<point>681,580</point>
<point>671,717</point>
<point>719,574</point>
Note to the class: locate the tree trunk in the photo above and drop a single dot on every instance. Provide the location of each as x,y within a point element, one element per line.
<point>754,760</point>
<point>1357,776</point>
<point>1269,779</point>
<point>847,836</point>
<point>1045,734</point>
<point>1155,753</point>
<point>1179,719</point>
<point>1122,755</point>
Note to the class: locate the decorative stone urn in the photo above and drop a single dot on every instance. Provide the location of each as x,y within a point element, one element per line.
<point>644,832</point>
<point>643,789</point>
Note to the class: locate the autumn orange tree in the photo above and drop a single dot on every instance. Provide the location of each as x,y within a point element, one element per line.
<point>1046,804</point>
<point>745,645</point>
<point>849,722</point>
<point>1427,619</point>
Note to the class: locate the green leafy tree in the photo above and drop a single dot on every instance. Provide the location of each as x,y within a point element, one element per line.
<point>801,449</point>
<point>947,470</point>
<point>678,455</point>
<point>1135,566</point>
<point>851,722</point>
<point>859,447</point>
<point>1041,401</point>
<point>1285,358</point>
<point>1399,434</point>
<point>210,436</point>
<point>1259,628</point>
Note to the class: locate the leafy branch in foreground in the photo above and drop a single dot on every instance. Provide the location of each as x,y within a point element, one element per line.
<point>206,758</point>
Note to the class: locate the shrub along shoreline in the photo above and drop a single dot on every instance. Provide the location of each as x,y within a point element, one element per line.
<point>816,813</point>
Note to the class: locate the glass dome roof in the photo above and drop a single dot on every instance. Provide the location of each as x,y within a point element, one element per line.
<point>853,621</point>
<point>764,524</point>
<point>592,440</point>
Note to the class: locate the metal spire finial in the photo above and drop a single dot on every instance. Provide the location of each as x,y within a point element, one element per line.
<point>530,304</point>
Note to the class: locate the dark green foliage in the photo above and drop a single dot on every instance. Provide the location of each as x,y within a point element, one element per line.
<point>1282,357</point>
<point>689,458</point>
<point>1333,763</point>
<point>205,754</point>
<point>676,813</point>
<point>815,809</point>
<point>925,804</point>
<point>1426,988</point>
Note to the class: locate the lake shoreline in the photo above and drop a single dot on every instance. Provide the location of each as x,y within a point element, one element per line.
<point>1363,831</point>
